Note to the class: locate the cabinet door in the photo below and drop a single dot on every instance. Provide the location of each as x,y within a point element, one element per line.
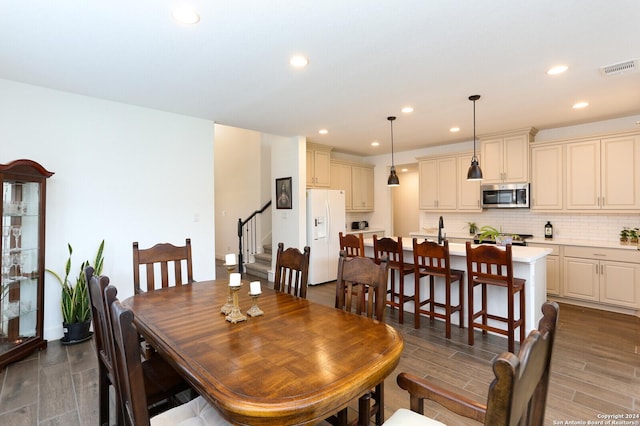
<point>341,179</point>
<point>516,159</point>
<point>322,168</point>
<point>468,190</point>
<point>546,177</point>
<point>619,283</point>
<point>428,184</point>
<point>362,188</point>
<point>447,183</point>
<point>310,169</point>
<point>620,174</point>
<point>553,275</point>
<point>581,278</point>
<point>583,175</point>
<point>491,152</point>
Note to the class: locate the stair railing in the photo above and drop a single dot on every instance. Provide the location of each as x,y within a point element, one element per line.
<point>247,238</point>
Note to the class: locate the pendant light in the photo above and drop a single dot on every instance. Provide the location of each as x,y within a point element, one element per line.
<point>474,172</point>
<point>393,177</point>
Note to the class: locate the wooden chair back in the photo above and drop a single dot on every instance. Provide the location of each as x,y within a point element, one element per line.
<point>103,338</point>
<point>431,258</point>
<point>352,244</point>
<point>517,396</point>
<point>370,278</point>
<point>391,249</point>
<point>160,256</point>
<point>490,264</point>
<point>292,271</point>
<point>128,364</point>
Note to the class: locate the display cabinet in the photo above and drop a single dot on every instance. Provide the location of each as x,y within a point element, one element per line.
<point>22,247</point>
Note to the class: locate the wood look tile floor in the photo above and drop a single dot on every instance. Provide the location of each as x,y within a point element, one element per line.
<point>595,371</point>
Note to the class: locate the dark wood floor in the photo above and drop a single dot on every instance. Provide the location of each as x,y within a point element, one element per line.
<point>595,371</point>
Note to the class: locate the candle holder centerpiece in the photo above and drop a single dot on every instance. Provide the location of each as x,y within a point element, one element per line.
<point>254,292</point>
<point>235,315</point>
<point>230,263</point>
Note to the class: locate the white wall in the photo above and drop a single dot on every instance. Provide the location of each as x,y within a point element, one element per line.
<point>405,204</point>
<point>122,173</point>
<point>288,159</point>
<point>237,190</point>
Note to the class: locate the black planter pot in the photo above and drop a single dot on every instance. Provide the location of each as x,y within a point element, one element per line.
<point>76,332</point>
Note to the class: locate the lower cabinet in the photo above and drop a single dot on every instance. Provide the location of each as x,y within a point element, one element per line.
<point>553,268</point>
<point>602,275</point>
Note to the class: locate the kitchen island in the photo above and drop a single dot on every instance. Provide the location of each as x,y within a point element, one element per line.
<point>529,263</point>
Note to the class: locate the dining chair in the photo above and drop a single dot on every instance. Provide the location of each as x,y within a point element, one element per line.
<point>132,383</point>
<point>432,260</point>
<point>517,395</point>
<point>370,277</point>
<point>489,265</point>
<point>352,244</point>
<point>161,381</point>
<point>392,250</point>
<point>292,271</point>
<point>160,257</point>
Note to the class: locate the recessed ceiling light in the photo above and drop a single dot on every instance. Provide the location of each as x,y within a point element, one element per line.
<point>557,69</point>
<point>580,105</point>
<point>404,170</point>
<point>186,15</point>
<point>407,109</point>
<point>454,129</point>
<point>323,131</point>
<point>375,143</point>
<point>298,61</point>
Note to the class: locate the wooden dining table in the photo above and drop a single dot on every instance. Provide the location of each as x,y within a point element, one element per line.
<point>299,363</point>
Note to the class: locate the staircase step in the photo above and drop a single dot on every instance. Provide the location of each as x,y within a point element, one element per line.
<point>264,258</point>
<point>258,269</point>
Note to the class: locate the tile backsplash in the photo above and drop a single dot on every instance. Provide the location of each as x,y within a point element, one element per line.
<point>596,227</point>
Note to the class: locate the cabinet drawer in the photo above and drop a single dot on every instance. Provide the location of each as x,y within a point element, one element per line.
<point>632,256</point>
<point>554,247</point>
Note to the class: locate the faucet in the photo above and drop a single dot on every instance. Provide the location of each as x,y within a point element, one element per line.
<point>440,227</point>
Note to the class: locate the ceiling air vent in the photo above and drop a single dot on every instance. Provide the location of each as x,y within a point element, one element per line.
<point>620,68</point>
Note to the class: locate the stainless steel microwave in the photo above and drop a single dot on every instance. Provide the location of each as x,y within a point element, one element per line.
<point>505,195</point>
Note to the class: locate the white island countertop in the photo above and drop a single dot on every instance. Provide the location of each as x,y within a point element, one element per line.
<point>525,254</point>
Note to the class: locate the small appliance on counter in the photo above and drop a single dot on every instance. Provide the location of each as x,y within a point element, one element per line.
<point>363,224</point>
<point>518,239</point>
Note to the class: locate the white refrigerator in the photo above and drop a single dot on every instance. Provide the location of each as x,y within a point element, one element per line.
<point>325,219</point>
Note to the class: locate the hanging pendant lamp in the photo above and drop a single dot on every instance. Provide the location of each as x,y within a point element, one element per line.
<point>393,177</point>
<point>474,172</point>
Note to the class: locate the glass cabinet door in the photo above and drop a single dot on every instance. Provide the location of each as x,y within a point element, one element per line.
<point>22,248</point>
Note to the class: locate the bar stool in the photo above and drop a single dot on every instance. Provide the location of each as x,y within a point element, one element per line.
<point>392,250</point>
<point>352,244</point>
<point>432,260</point>
<point>490,265</point>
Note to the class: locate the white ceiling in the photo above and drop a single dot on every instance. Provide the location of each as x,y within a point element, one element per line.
<point>368,58</point>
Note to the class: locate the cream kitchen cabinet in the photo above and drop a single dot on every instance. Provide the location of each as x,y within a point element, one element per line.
<point>547,177</point>
<point>505,156</point>
<point>468,190</point>
<point>603,174</point>
<point>356,179</point>
<point>318,166</point>
<point>609,276</point>
<point>553,268</point>
<point>341,179</point>
<point>361,188</point>
<point>438,179</point>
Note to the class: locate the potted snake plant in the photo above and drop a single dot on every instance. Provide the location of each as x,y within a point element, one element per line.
<point>74,303</point>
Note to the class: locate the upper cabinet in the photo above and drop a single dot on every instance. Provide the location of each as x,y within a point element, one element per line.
<point>547,177</point>
<point>505,156</point>
<point>318,166</point>
<point>603,174</point>
<point>443,184</point>
<point>356,179</point>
